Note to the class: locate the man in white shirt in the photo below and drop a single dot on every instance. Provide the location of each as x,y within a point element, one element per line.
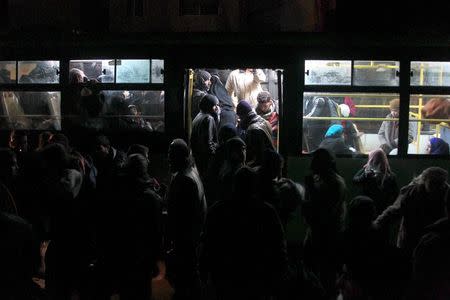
<point>245,85</point>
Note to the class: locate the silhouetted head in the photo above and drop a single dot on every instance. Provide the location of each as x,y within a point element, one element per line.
<point>322,162</point>
<point>235,150</point>
<point>272,164</point>
<point>18,141</point>
<point>361,212</point>
<point>226,132</point>
<point>209,104</point>
<point>179,155</point>
<point>139,149</point>
<point>61,139</point>
<point>244,185</point>
<point>137,166</point>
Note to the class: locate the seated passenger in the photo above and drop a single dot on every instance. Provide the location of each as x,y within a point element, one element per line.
<point>388,132</point>
<point>437,146</point>
<point>350,130</point>
<point>334,141</point>
<point>314,130</point>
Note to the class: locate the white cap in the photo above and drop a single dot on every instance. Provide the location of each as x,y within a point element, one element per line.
<point>345,110</point>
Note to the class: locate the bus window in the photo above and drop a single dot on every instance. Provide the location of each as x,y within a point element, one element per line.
<point>428,73</point>
<point>7,72</point>
<point>133,71</point>
<point>122,110</point>
<point>360,118</point>
<point>328,72</point>
<point>376,73</point>
<point>429,117</point>
<point>41,72</point>
<point>31,110</point>
<point>94,70</point>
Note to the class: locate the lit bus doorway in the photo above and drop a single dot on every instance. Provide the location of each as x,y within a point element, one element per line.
<point>262,88</point>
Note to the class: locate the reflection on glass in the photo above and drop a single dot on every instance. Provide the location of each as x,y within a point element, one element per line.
<point>375,73</point>
<point>38,72</point>
<point>157,71</point>
<point>430,114</point>
<point>143,110</point>
<point>363,117</point>
<point>7,72</point>
<point>31,110</point>
<point>427,73</point>
<point>133,71</point>
<point>328,72</point>
<point>96,70</point>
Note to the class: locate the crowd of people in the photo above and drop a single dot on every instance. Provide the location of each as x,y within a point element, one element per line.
<point>95,224</point>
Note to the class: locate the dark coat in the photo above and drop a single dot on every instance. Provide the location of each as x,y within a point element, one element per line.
<point>244,249</point>
<point>335,145</point>
<point>186,215</point>
<point>382,192</point>
<point>203,141</point>
<point>417,210</point>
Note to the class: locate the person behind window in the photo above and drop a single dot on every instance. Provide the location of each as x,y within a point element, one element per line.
<point>350,130</point>
<point>334,141</point>
<point>245,84</point>
<point>77,76</point>
<point>314,130</point>
<point>388,132</point>
<point>437,146</point>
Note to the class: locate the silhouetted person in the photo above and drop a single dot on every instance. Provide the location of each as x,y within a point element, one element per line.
<point>324,213</point>
<point>135,218</point>
<point>334,141</point>
<point>420,203</point>
<point>227,107</point>
<point>204,133</point>
<point>186,215</point>
<point>431,262</point>
<point>377,181</point>
<point>244,249</point>
<point>373,269</point>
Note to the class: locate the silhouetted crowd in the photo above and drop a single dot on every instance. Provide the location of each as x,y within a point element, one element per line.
<point>94,224</point>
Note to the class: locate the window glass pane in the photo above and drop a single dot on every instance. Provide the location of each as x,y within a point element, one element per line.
<point>31,110</point>
<point>7,72</point>
<point>133,71</point>
<point>376,73</point>
<point>39,71</point>
<point>122,110</point>
<point>328,72</point>
<point>428,73</point>
<point>157,71</point>
<point>97,70</point>
<point>363,118</point>
<point>429,124</point>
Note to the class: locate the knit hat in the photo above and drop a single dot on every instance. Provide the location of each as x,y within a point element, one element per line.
<point>345,110</point>
<point>334,131</point>
<point>263,97</point>
<point>243,108</point>
<point>207,102</point>
<point>394,104</point>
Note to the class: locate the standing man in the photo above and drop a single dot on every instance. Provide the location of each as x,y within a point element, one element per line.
<point>186,215</point>
<point>204,133</point>
<point>245,84</point>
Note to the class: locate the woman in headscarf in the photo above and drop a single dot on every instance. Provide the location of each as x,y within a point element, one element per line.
<point>227,107</point>
<point>438,146</point>
<point>202,83</point>
<point>377,181</point>
<point>334,140</point>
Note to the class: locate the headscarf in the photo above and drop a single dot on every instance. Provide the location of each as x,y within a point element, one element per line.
<point>438,146</point>
<point>218,89</point>
<point>379,163</point>
<point>335,130</point>
<point>200,77</point>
